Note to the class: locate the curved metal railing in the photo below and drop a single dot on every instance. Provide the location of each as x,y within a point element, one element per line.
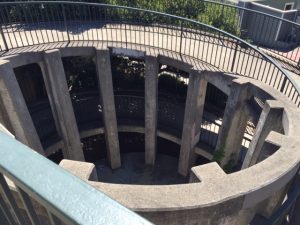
<point>34,23</point>
<point>271,30</point>
<point>277,35</point>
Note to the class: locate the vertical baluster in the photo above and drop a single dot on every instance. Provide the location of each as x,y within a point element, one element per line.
<point>53,219</point>
<point>28,207</point>
<point>9,217</point>
<point>11,201</point>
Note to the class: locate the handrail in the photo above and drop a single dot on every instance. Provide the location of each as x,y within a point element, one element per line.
<point>284,57</point>
<point>285,82</point>
<point>65,197</point>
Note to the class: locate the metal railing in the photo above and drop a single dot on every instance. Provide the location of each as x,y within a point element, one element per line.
<point>34,23</point>
<point>33,189</point>
<point>276,35</point>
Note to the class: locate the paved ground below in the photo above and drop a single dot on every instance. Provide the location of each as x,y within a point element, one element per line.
<point>134,171</point>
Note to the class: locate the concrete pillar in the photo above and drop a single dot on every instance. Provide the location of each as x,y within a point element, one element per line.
<point>274,202</point>
<point>151,84</point>
<point>192,120</point>
<point>243,216</point>
<point>14,109</point>
<point>61,105</point>
<point>109,112</point>
<point>270,119</point>
<point>234,122</point>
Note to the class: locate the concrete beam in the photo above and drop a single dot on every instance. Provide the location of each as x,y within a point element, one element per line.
<point>61,105</point>
<point>192,120</point>
<point>14,109</point>
<point>151,85</point>
<point>234,121</point>
<point>270,119</point>
<point>108,103</point>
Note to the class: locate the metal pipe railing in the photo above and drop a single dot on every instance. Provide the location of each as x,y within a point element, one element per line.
<point>30,182</point>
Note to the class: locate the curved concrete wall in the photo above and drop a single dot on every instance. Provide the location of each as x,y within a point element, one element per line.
<point>214,197</point>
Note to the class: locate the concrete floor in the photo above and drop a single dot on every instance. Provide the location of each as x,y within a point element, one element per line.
<point>134,171</point>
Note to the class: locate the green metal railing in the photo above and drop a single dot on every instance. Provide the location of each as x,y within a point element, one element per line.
<point>40,184</point>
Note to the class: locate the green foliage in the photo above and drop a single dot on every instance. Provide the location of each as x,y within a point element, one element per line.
<point>80,73</point>
<point>128,74</point>
<point>185,8</point>
<point>219,155</point>
<point>171,85</point>
<point>228,167</point>
<point>222,17</point>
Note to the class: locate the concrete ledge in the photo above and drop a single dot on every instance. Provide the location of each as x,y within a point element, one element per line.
<point>83,170</point>
<point>220,197</point>
<point>206,172</point>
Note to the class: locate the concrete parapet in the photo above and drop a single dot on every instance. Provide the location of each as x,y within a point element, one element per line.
<point>215,197</point>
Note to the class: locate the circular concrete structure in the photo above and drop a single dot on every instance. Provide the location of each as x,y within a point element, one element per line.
<point>211,196</point>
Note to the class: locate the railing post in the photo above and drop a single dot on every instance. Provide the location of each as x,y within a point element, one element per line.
<point>3,38</point>
<point>234,56</point>
<point>125,35</point>
<point>65,22</point>
<point>181,33</point>
<point>283,84</point>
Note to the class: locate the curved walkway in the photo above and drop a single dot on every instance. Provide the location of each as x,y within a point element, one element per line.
<point>216,53</point>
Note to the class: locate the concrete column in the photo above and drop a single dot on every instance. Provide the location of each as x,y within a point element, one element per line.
<point>61,105</point>
<point>151,84</point>
<point>275,201</point>
<point>109,112</point>
<point>234,122</point>
<point>14,109</point>
<point>243,216</point>
<point>192,120</point>
<point>270,119</point>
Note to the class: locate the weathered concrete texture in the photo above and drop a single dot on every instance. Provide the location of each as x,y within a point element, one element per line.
<point>84,170</point>
<point>221,199</point>
<point>192,121</point>
<point>270,119</point>
<point>61,105</point>
<point>234,121</point>
<point>14,110</point>
<point>109,112</point>
<point>274,202</point>
<point>151,85</point>
<point>206,172</point>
